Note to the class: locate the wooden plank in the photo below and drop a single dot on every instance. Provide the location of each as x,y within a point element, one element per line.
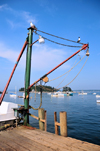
<point>39,139</point>
<point>37,118</point>
<point>13,145</point>
<point>42,120</point>
<point>22,141</point>
<point>56,123</point>
<point>5,147</point>
<point>49,140</point>
<point>70,142</point>
<point>43,140</point>
<point>35,145</point>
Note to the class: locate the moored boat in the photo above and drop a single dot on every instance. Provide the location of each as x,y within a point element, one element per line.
<point>98,101</point>
<point>97,96</point>
<point>13,95</point>
<point>7,113</point>
<point>82,93</point>
<point>57,95</point>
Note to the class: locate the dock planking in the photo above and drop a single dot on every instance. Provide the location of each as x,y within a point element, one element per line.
<point>22,139</point>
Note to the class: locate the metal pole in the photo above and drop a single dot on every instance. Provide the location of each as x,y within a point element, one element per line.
<point>5,89</point>
<point>83,48</point>
<point>27,75</point>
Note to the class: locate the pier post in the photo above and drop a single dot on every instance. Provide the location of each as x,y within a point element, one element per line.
<point>27,75</point>
<point>63,123</point>
<point>55,121</point>
<point>41,115</point>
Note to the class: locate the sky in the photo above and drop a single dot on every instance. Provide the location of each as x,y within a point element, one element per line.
<point>67,19</point>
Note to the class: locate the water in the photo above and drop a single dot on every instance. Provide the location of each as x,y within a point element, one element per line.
<point>83,114</point>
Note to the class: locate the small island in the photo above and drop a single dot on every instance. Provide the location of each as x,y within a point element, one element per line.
<point>46,89</point>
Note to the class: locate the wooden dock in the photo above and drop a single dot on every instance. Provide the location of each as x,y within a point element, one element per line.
<point>22,139</point>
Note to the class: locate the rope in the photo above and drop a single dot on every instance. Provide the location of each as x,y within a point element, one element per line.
<point>67,73</point>
<point>58,42</point>
<point>69,70</point>
<point>76,75</point>
<point>39,106</point>
<point>59,37</point>
<point>40,99</point>
<point>35,93</point>
<point>71,80</point>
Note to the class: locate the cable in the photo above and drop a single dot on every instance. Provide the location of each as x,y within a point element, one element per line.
<point>68,70</point>
<point>76,75</point>
<point>58,42</point>
<point>59,37</point>
<point>71,80</point>
<point>61,43</point>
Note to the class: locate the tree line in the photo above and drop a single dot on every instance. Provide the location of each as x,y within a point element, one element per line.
<point>46,89</point>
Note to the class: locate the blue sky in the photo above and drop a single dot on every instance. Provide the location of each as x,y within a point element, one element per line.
<point>68,19</point>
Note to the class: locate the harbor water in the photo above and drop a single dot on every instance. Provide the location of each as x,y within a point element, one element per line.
<point>83,113</point>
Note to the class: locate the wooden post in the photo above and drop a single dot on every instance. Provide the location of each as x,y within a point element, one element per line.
<point>55,120</point>
<point>45,116</point>
<point>63,123</point>
<point>41,116</point>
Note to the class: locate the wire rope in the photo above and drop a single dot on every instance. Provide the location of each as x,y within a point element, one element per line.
<point>76,75</point>
<point>59,37</point>
<point>68,71</point>
<point>70,81</point>
<point>58,42</point>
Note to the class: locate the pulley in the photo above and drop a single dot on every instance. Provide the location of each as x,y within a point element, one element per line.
<point>87,52</point>
<point>45,79</point>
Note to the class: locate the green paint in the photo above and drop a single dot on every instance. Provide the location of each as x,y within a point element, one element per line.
<point>27,74</point>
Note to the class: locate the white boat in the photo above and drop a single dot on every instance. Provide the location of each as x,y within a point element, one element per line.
<point>49,93</point>
<point>98,101</point>
<point>13,95</point>
<point>82,93</point>
<point>94,93</point>
<point>57,95</point>
<point>97,96</point>
<point>7,112</point>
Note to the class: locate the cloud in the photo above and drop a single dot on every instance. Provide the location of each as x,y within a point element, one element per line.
<point>7,53</point>
<point>3,6</point>
<point>28,17</point>
<point>46,57</point>
<point>23,17</point>
<point>43,57</point>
